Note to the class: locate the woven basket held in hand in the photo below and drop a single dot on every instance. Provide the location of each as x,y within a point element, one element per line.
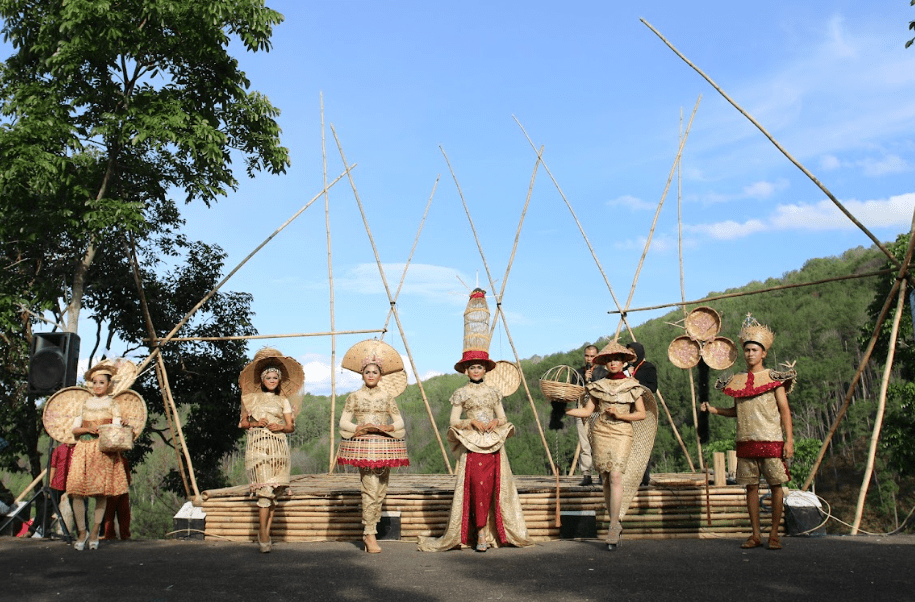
<point>562,383</point>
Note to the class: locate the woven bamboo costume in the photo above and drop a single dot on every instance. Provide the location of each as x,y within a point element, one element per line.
<point>372,406</point>
<point>266,452</point>
<point>93,472</point>
<point>483,474</point>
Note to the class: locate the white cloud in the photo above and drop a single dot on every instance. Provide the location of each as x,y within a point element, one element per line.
<point>821,216</point>
<point>633,203</point>
<point>830,163</point>
<point>757,190</point>
<point>318,373</point>
<point>886,165</point>
<point>660,243</point>
<point>426,280</point>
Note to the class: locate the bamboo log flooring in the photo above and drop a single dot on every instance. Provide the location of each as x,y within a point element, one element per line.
<point>327,508</point>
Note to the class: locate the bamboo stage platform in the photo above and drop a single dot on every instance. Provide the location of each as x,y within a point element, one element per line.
<point>327,508</point>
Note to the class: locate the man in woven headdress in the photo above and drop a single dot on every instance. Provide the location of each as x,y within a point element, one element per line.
<point>762,412</point>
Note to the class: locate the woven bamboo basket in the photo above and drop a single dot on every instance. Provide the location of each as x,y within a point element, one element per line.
<point>562,383</point>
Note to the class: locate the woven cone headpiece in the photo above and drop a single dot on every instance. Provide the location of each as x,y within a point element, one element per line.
<point>476,333</point>
<point>754,332</point>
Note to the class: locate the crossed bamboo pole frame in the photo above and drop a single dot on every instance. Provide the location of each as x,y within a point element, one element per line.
<point>903,277</point>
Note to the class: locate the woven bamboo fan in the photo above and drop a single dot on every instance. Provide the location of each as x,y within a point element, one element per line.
<point>684,352</point>
<point>505,378</point>
<point>703,323</point>
<point>60,411</point>
<point>720,353</point>
<point>562,383</point>
<point>133,410</point>
<point>124,377</point>
<point>394,384</point>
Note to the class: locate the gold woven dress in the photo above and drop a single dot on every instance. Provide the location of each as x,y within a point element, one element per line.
<point>505,521</point>
<point>93,472</point>
<point>373,454</point>
<point>266,452</point>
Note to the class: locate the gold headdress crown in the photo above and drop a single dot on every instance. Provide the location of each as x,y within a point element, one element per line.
<point>754,332</point>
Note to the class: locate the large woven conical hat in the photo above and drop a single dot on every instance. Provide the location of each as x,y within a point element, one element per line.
<point>372,351</point>
<point>613,348</point>
<point>60,411</point>
<point>643,433</point>
<point>293,374</point>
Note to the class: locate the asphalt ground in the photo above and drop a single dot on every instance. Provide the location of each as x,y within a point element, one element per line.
<point>820,568</point>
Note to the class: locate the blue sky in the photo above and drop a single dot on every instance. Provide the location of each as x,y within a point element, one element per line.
<point>604,96</point>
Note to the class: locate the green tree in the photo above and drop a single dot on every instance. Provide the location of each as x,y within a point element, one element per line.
<point>108,111</point>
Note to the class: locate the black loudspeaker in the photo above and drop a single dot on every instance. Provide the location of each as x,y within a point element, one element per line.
<point>52,361</point>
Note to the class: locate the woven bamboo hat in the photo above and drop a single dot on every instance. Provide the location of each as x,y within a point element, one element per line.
<point>754,332</point>
<point>372,351</point>
<point>292,374</point>
<point>613,348</point>
<point>476,333</point>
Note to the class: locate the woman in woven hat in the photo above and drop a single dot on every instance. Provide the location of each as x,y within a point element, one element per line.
<point>485,497</point>
<point>266,416</point>
<point>619,401</point>
<point>94,473</point>
<point>373,430</point>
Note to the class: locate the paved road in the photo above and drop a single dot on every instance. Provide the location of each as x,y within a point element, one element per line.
<point>825,568</point>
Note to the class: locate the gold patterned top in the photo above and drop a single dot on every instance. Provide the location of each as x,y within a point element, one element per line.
<point>371,406</point>
<point>98,409</point>
<point>262,405</point>
<point>620,393</point>
<point>758,418</point>
<point>480,402</point>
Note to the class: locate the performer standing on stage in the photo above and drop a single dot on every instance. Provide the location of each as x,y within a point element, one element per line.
<point>647,374</point>
<point>589,373</point>
<point>94,473</point>
<point>763,414</point>
<point>485,497</point>
<point>620,401</point>
<point>267,415</point>
<point>373,432</point>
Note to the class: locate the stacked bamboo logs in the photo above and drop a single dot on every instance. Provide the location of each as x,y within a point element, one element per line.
<point>327,508</point>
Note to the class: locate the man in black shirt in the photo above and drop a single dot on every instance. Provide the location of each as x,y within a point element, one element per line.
<point>645,372</point>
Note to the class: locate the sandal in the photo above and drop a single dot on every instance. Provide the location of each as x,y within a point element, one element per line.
<point>752,542</point>
<point>482,546</point>
<point>775,542</point>
<point>265,546</point>
<point>371,549</point>
<point>80,543</point>
<point>614,536</point>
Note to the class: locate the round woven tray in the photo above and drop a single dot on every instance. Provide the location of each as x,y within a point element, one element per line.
<point>684,352</point>
<point>562,383</point>
<point>703,323</point>
<point>60,411</point>
<point>720,353</point>
<point>390,360</point>
<point>394,384</point>
<point>504,378</point>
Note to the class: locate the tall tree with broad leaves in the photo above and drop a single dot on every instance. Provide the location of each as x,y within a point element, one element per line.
<point>109,110</point>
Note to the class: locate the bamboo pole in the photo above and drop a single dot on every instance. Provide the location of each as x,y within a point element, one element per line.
<point>867,355</point>
<point>332,453</point>
<point>163,376</point>
<point>574,458</point>
<point>248,337</point>
<point>165,340</point>
<point>29,488</point>
<point>606,281</point>
<point>781,149</point>
<point>492,285</point>
<point>511,257</point>
<point>574,217</point>
<point>406,266</point>
<point>384,280</point>
<point>130,251</point>
<point>673,169</point>
<point>760,291</point>
<point>881,409</point>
